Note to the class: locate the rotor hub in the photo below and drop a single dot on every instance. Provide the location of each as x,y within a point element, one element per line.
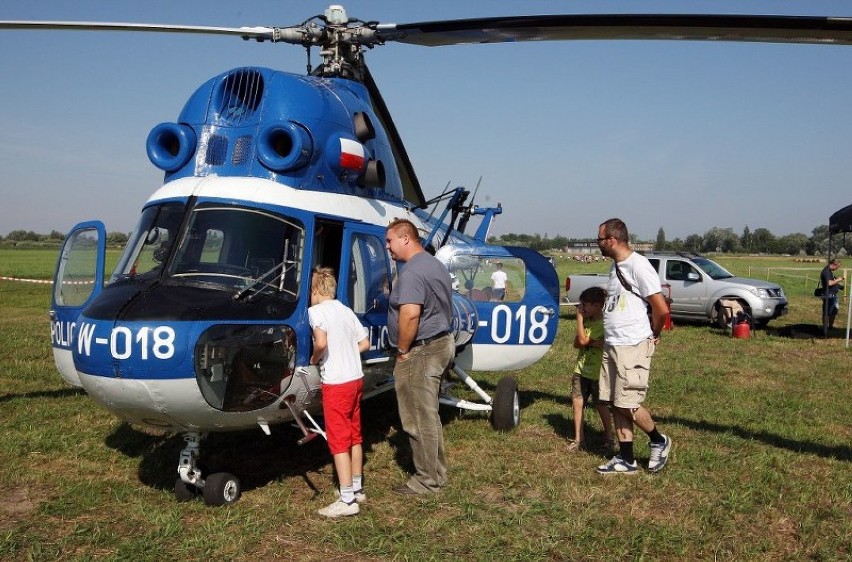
<point>341,41</point>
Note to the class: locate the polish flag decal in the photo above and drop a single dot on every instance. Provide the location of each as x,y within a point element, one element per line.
<point>351,154</point>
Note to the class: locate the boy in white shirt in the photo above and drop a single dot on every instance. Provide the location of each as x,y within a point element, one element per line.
<point>339,339</point>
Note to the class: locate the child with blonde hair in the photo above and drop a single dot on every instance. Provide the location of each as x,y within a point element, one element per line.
<point>339,339</point>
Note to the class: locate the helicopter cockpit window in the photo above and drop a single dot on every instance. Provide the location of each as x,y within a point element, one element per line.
<point>248,250</point>
<point>150,243</point>
<point>489,278</point>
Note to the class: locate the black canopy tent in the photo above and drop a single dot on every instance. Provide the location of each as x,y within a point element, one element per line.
<point>840,221</point>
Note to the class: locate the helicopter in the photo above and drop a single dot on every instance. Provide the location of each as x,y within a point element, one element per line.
<point>202,325</point>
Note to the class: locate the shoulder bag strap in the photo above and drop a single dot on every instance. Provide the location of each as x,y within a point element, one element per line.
<point>625,284</point>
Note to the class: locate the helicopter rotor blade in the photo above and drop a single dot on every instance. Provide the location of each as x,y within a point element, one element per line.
<point>259,33</point>
<point>753,28</point>
<point>504,29</point>
<point>411,189</point>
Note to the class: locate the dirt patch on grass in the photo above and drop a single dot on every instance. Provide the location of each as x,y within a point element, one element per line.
<point>17,507</point>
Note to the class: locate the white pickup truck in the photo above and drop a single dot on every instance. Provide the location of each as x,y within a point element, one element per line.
<point>699,289</point>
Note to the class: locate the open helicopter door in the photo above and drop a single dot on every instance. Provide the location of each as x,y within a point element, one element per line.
<point>364,285</point>
<point>78,278</point>
<point>516,326</point>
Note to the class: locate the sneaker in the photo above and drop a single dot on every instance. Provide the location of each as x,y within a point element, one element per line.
<point>617,465</point>
<point>360,495</point>
<point>340,509</point>
<point>659,455</point>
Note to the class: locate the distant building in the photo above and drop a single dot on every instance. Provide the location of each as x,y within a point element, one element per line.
<point>583,249</point>
<point>591,249</point>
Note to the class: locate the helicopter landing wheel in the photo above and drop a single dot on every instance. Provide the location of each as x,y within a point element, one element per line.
<point>184,492</point>
<point>221,488</point>
<point>506,407</point>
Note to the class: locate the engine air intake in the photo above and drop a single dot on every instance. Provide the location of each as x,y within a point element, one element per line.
<point>239,96</point>
<point>170,146</point>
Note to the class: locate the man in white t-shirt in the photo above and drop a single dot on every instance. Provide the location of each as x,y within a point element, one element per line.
<point>498,283</point>
<point>629,343</point>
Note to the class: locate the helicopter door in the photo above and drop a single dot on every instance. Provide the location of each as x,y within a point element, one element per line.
<point>516,295</point>
<point>79,277</point>
<point>364,286</point>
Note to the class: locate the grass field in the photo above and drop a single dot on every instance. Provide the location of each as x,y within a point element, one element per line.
<point>760,468</point>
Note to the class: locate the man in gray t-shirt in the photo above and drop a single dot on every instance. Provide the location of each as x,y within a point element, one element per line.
<point>418,325</point>
<point>423,280</point>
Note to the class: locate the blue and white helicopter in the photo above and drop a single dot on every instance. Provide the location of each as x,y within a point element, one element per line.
<point>202,326</point>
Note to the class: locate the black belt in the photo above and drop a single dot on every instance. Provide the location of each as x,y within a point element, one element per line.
<point>424,341</point>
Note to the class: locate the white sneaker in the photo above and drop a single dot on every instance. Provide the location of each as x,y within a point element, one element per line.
<point>340,509</point>
<point>659,454</point>
<point>617,465</point>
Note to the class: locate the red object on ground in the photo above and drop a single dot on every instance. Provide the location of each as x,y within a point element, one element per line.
<point>668,325</point>
<point>741,331</point>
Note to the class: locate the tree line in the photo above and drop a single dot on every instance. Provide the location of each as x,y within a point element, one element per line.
<point>28,238</point>
<point>724,240</point>
<point>719,240</point>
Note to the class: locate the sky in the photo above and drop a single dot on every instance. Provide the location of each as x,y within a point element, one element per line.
<point>686,136</point>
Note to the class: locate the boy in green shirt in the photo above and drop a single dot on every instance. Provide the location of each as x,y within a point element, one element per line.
<point>584,382</point>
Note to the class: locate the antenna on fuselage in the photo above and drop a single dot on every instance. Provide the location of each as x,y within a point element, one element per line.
<point>469,209</point>
<point>437,200</point>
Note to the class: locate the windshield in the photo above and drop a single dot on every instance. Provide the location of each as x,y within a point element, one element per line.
<point>712,268</point>
<point>240,249</point>
<point>150,242</point>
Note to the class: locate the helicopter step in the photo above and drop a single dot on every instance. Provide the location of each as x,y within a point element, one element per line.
<point>298,413</point>
<point>309,433</point>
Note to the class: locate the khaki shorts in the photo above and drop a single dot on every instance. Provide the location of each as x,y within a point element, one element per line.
<point>624,373</point>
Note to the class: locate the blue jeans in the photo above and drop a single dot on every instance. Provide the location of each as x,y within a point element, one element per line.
<point>418,384</point>
<point>831,305</point>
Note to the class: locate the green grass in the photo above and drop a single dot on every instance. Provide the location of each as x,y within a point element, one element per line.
<point>760,468</point>
<point>39,263</point>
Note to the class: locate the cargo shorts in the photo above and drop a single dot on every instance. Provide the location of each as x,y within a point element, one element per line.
<point>624,374</point>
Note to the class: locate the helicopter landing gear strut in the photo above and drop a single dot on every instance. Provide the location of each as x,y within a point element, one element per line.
<point>220,488</point>
<point>299,412</point>
<point>309,432</point>
<point>504,407</point>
